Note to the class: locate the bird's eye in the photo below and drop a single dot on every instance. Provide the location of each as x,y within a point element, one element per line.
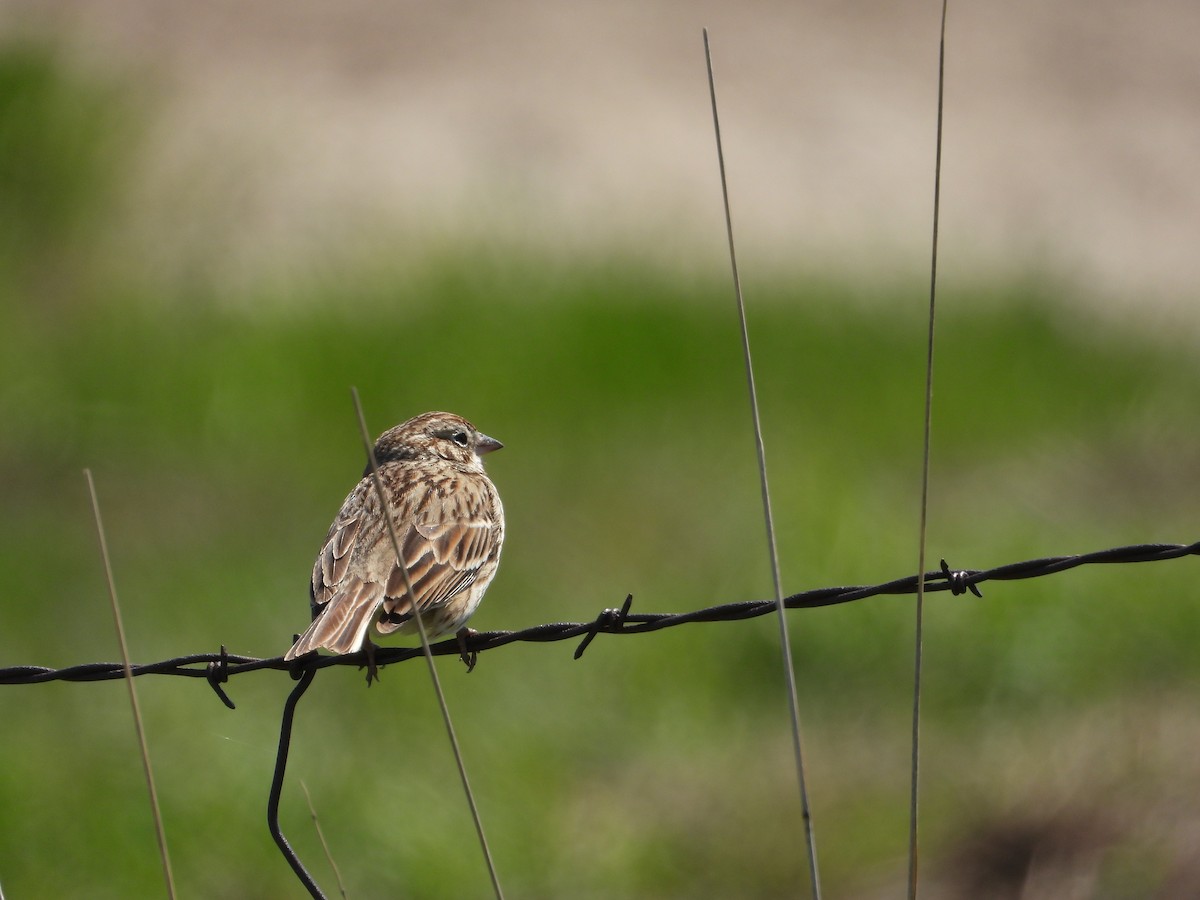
<point>460,438</point>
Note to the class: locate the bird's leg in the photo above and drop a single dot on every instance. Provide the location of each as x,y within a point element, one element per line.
<point>372,669</point>
<point>469,657</point>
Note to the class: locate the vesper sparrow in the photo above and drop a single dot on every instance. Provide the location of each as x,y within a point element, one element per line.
<point>450,525</point>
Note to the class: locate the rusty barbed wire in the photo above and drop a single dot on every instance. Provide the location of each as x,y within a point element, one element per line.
<point>218,668</point>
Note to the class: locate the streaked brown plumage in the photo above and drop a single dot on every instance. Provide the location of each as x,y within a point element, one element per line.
<point>450,525</point>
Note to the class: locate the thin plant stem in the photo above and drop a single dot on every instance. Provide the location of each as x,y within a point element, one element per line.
<point>773,551</point>
<point>433,674</point>
<point>324,844</point>
<point>159,832</point>
<point>919,632</point>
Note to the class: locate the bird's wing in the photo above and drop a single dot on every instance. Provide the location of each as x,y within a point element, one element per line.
<point>334,559</point>
<point>346,592</point>
<point>446,533</point>
<point>451,536</point>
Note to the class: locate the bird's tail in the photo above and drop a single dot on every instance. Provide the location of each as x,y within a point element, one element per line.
<point>341,627</point>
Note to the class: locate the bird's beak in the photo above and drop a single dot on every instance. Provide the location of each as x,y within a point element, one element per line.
<point>486,444</point>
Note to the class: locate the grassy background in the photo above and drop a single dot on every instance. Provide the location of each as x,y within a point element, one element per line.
<point>1060,725</point>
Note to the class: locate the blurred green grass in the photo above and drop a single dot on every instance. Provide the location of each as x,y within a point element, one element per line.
<point>222,440</point>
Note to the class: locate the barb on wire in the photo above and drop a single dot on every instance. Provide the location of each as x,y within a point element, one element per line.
<point>608,619</point>
<point>958,583</point>
<point>195,665</point>
<point>217,674</point>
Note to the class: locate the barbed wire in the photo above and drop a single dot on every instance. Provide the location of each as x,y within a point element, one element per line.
<point>218,668</point>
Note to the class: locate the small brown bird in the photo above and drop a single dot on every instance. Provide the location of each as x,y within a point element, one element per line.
<point>450,525</point>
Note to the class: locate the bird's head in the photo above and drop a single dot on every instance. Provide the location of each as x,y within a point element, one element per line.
<point>435,435</point>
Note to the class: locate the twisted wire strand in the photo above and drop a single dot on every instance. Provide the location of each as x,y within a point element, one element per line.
<point>217,668</point>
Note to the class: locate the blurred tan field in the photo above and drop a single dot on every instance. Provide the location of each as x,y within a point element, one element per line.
<point>290,136</point>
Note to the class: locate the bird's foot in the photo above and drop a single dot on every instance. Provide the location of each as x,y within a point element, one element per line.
<point>469,657</point>
<point>372,669</point>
